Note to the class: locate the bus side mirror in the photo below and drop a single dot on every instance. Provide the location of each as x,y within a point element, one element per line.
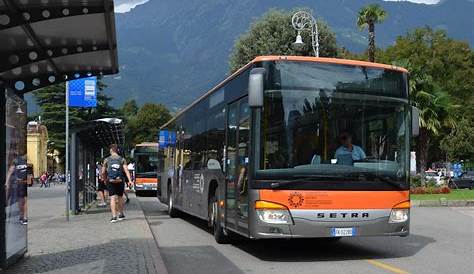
<point>415,121</point>
<point>256,80</point>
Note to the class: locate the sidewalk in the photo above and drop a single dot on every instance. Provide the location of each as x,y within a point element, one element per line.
<point>88,243</point>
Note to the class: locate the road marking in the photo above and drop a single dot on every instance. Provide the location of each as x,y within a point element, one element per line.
<point>386,266</point>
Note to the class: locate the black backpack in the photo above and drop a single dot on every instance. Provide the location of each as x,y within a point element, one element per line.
<point>114,169</point>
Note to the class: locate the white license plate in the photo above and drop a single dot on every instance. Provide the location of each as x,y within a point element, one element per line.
<point>343,232</point>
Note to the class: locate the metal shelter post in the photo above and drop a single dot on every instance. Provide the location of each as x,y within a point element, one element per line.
<point>73,181</point>
<point>68,181</point>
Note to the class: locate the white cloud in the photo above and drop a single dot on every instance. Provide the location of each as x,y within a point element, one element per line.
<point>122,6</point>
<point>428,2</point>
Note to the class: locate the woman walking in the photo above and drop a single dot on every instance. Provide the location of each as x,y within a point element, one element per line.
<point>43,179</point>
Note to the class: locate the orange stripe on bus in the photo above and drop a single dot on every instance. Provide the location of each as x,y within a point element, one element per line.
<point>328,61</point>
<point>322,199</point>
<point>145,180</point>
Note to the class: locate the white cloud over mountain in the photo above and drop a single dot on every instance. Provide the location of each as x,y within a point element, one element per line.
<point>122,6</point>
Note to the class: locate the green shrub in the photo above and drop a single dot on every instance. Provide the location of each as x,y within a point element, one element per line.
<point>416,181</point>
<point>431,183</point>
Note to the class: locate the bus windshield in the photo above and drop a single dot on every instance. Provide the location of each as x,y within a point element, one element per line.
<point>336,124</point>
<point>146,165</point>
<point>146,161</point>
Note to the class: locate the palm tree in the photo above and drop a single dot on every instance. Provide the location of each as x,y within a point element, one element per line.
<point>369,16</point>
<point>435,106</point>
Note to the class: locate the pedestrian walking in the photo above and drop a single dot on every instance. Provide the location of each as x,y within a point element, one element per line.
<point>112,173</point>
<point>101,188</point>
<point>43,179</point>
<point>50,178</point>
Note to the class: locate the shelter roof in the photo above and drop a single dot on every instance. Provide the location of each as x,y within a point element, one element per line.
<point>49,41</point>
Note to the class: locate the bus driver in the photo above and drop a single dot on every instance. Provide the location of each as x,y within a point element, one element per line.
<point>347,153</point>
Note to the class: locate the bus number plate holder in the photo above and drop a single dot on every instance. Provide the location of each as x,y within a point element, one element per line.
<point>343,232</point>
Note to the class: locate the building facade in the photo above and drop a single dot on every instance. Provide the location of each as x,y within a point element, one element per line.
<point>37,147</point>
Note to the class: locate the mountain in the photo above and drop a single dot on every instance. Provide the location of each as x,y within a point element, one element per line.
<point>171,51</point>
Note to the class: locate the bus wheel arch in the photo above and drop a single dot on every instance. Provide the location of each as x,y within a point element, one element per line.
<point>220,234</point>
<point>172,211</point>
<point>212,193</point>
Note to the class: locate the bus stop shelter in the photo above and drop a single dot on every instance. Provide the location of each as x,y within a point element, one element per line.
<point>42,43</point>
<point>88,143</point>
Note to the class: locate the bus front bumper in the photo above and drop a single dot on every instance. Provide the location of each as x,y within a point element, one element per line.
<point>146,187</point>
<point>330,223</point>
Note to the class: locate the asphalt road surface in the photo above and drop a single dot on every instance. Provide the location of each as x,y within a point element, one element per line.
<point>441,241</point>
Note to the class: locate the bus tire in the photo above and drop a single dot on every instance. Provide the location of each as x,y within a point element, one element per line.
<point>219,234</point>
<point>172,211</point>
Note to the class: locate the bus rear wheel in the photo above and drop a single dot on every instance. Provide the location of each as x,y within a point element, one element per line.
<point>219,234</point>
<point>172,212</point>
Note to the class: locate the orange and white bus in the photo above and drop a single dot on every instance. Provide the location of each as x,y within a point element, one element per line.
<point>295,147</point>
<point>146,159</point>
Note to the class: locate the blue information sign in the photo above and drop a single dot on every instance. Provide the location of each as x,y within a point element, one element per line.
<point>83,92</point>
<point>167,138</point>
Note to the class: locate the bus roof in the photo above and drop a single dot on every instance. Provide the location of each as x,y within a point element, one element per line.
<point>270,58</point>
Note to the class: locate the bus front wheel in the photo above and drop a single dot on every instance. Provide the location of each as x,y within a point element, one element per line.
<point>219,234</point>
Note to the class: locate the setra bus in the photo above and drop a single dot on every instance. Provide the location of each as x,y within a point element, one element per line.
<point>296,147</point>
<point>146,157</point>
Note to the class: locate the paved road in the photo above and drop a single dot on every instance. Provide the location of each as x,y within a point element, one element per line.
<point>441,242</point>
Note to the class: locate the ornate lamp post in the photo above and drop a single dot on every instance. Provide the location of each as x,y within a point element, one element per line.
<point>303,20</point>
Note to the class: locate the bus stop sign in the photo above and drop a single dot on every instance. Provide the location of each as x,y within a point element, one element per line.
<point>83,92</point>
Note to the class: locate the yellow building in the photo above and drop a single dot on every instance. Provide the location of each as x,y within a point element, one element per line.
<point>37,142</point>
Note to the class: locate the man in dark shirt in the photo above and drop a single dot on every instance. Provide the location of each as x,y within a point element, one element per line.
<point>112,173</point>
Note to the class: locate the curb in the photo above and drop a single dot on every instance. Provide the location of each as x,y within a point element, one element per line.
<point>442,203</point>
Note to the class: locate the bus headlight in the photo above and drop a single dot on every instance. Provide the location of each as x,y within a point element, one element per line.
<point>273,213</point>
<point>400,213</point>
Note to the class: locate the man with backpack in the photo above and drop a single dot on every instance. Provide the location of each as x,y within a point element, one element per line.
<point>112,173</point>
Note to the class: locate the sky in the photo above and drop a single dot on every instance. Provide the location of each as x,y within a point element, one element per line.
<point>122,6</point>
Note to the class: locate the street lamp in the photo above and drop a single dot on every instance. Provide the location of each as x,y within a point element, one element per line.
<point>303,20</point>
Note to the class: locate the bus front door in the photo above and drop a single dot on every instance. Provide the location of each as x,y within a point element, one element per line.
<point>238,122</point>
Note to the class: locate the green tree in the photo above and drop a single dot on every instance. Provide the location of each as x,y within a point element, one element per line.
<point>367,18</point>
<point>458,144</point>
<point>145,125</point>
<point>441,85</point>
<point>51,101</point>
<point>130,108</point>
<point>273,34</point>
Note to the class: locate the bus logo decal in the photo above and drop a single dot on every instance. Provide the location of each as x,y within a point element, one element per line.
<point>295,199</point>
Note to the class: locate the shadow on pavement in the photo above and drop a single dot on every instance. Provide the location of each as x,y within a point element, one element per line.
<point>120,256</point>
<point>294,250</point>
<point>309,250</point>
<point>197,259</point>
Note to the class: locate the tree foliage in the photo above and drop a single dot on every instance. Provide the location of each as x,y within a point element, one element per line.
<point>441,86</point>
<point>130,108</point>
<point>367,17</point>
<point>458,144</point>
<point>145,124</point>
<point>273,34</point>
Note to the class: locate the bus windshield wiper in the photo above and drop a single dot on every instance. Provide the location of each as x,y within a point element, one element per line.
<point>306,178</point>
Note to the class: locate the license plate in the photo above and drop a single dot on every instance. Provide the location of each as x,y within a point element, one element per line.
<point>343,232</point>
